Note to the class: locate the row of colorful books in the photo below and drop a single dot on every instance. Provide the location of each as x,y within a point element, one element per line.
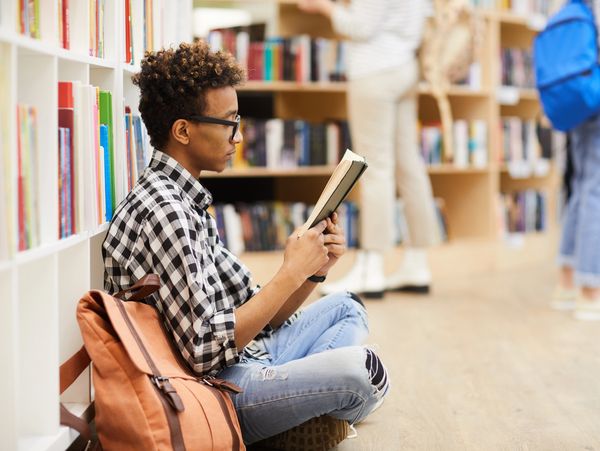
<point>153,24</point>
<point>520,140</point>
<point>137,146</point>
<point>265,226</point>
<point>147,28</point>
<point>86,166</point>
<point>86,158</point>
<point>299,58</point>
<point>29,18</point>
<point>523,212</point>
<point>279,143</point>
<point>517,68</point>
<point>29,23</point>
<point>470,146</point>
<point>97,23</point>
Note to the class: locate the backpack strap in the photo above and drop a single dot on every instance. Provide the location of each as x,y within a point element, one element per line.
<point>72,368</point>
<point>69,372</point>
<point>143,288</point>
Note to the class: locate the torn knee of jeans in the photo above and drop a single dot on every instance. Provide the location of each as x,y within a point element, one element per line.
<point>270,374</point>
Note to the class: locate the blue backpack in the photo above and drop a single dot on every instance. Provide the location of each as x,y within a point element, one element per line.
<point>567,73</point>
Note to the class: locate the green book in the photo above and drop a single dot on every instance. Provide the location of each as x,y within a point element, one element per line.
<point>106,118</point>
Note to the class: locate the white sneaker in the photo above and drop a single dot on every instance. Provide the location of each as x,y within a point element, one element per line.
<point>413,274</point>
<point>587,310</point>
<point>365,277</point>
<point>411,281</point>
<point>564,299</point>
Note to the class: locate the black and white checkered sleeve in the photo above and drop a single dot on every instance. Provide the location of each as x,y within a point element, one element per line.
<point>201,321</point>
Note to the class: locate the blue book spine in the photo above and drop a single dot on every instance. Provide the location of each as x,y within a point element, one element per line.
<point>107,174</point>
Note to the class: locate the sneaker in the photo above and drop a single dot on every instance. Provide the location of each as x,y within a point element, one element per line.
<point>409,281</point>
<point>564,299</point>
<point>317,434</point>
<point>587,310</point>
<point>365,277</point>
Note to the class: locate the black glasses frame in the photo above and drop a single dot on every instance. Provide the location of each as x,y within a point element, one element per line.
<point>215,120</point>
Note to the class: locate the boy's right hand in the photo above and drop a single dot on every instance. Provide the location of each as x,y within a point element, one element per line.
<point>305,255</point>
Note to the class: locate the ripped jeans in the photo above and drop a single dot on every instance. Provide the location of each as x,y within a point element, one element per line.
<point>311,366</point>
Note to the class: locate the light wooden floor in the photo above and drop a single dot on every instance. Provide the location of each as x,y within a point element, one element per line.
<point>482,363</point>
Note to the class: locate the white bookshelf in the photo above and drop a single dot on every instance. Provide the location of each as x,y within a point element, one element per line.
<point>40,287</point>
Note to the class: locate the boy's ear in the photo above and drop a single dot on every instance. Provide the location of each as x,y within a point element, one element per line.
<point>180,131</point>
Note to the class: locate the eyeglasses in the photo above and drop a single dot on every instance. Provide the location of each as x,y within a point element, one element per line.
<point>213,120</point>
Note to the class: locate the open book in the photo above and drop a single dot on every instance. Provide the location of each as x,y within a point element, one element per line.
<point>344,177</point>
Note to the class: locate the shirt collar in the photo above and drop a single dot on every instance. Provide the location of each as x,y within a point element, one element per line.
<point>176,172</point>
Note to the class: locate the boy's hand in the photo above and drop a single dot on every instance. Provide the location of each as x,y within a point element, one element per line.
<point>335,241</point>
<point>305,255</point>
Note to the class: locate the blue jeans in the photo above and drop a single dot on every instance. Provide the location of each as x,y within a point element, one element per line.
<point>312,366</point>
<point>580,243</point>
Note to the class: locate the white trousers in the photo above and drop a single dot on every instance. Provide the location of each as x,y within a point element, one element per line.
<point>382,111</point>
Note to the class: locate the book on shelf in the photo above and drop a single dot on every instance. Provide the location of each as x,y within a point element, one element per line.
<point>343,179</point>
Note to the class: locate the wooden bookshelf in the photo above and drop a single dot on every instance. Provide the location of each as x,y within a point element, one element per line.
<point>40,287</point>
<point>470,193</point>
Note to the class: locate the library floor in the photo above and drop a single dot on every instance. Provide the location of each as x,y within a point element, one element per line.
<point>483,364</point>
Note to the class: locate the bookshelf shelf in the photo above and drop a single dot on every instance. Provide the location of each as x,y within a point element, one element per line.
<point>451,169</point>
<point>131,69</point>
<point>340,87</point>
<point>457,91</point>
<point>41,280</point>
<point>292,86</point>
<point>531,23</point>
<point>306,171</point>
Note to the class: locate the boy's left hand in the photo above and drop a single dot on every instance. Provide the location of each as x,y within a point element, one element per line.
<point>335,242</point>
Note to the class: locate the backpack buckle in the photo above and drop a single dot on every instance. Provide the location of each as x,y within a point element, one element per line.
<point>159,381</point>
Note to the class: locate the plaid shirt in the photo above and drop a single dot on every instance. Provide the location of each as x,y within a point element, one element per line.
<point>163,227</point>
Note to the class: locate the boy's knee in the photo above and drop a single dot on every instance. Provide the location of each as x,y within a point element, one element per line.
<point>356,297</point>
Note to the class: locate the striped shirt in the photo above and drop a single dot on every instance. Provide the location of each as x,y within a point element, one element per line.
<point>163,227</point>
<point>383,34</point>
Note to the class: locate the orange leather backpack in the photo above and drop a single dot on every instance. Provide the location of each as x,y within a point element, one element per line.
<point>146,398</point>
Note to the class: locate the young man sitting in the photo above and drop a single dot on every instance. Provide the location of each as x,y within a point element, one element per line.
<point>293,366</point>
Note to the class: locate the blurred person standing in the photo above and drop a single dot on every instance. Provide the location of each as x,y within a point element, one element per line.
<point>383,75</point>
<point>579,254</point>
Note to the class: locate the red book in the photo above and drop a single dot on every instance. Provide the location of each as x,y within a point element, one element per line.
<point>128,52</point>
<point>256,55</point>
<point>65,23</point>
<point>65,94</point>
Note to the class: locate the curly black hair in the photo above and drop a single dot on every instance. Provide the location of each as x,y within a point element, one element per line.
<point>172,84</point>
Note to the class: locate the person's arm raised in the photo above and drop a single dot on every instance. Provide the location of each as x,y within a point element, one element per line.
<point>304,255</point>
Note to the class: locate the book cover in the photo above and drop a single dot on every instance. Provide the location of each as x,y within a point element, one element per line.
<point>343,179</point>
